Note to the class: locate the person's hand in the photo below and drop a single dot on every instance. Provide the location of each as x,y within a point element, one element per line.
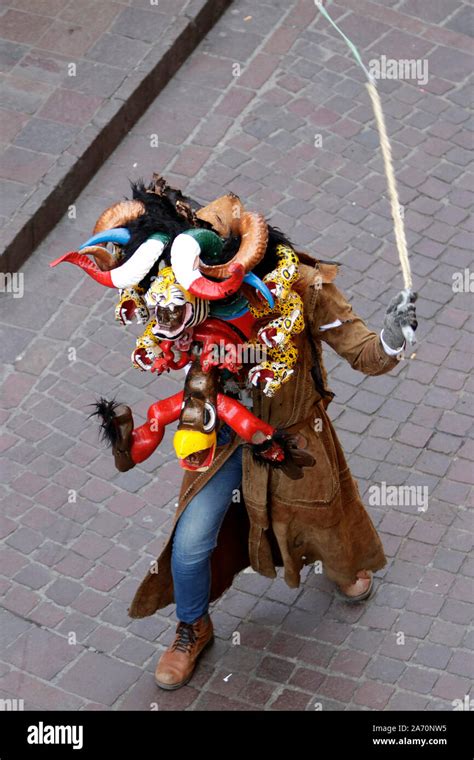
<point>285,452</point>
<point>400,320</point>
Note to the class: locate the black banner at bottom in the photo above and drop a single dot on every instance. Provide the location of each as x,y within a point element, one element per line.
<point>90,734</point>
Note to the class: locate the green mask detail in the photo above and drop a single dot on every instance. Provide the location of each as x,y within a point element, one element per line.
<point>210,243</point>
<point>236,307</point>
<point>160,236</point>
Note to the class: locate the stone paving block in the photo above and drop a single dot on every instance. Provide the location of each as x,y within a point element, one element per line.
<point>19,600</point>
<point>433,655</point>
<point>49,553</point>
<point>292,700</point>
<point>451,687</point>
<point>418,680</point>
<point>34,576</point>
<point>385,669</point>
<point>373,695</point>
<point>63,591</point>
<point>41,653</point>
<point>104,638</point>
<point>275,669</point>
<point>315,653</point>
<point>12,628</point>
<point>90,602</point>
<point>457,612</point>
<point>98,677</point>
<point>37,693</point>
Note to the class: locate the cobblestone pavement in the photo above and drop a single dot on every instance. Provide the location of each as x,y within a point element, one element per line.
<point>68,67</point>
<point>69,568</point>
<point>45,103</point>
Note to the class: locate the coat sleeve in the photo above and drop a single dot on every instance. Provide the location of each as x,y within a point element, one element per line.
<point>334,322</point>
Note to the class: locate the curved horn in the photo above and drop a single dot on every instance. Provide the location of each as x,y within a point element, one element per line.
<point>104,259</point>
<point>126,275</point>
<point>252,279</point>
<point>81,260</point>
<point>194,275</point>
<point>119,235</point>
<point>109,229</point>
<point>185,264</point>
<point>214,291</point>
<point>119,214</point>
<point>222,214</point>
<point>253,230</point>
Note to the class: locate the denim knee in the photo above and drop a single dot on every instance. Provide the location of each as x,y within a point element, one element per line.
<point>191,550</point>
<point>198,527</point>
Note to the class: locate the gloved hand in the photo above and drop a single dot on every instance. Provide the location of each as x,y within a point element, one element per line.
<point>400,320</point>
<point>284,451</point>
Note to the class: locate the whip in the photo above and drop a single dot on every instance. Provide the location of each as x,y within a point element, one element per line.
<point>398,223</point>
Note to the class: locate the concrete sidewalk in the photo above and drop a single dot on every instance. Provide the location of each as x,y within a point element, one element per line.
<point>272,107</point>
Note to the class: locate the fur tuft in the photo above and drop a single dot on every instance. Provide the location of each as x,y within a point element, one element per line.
<point>166,210</point>
<point>105,411</point>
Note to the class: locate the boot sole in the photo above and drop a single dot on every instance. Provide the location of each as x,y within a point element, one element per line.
<point>356,599</point>
<point>173,686</point>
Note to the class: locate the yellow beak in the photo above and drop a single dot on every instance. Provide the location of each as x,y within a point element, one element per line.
<point>187,442</point>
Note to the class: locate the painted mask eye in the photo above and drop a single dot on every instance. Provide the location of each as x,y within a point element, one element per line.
<point>209,419</point>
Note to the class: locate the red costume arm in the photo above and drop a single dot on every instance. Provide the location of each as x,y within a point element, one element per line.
<point>147,437</point>
<point>243,422</point>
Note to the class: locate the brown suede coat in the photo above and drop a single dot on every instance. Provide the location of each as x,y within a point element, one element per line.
<point>282,522</point>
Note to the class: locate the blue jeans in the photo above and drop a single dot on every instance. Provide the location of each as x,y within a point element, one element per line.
<point>195,538</point>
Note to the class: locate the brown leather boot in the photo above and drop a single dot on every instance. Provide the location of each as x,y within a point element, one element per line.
<point>360,590</point>
<point>176,665</point>
<point>123,423</point>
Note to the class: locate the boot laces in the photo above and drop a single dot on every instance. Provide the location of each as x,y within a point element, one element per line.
<point>185,637</point>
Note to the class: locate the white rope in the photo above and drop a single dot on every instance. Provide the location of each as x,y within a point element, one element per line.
<point>399,227</point>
